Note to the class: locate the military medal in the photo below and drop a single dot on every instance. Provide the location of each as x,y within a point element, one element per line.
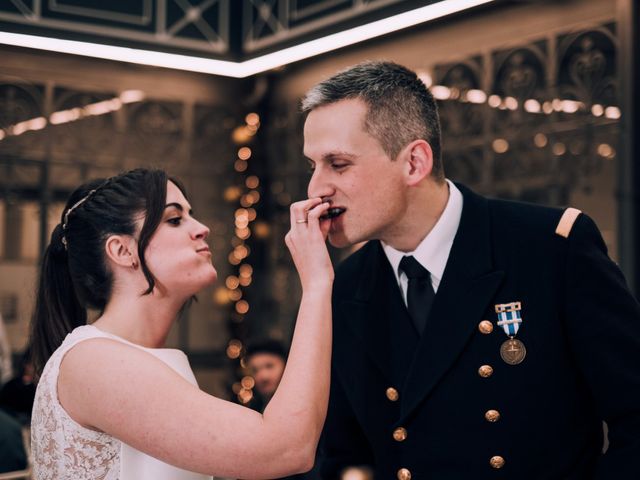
<point>512,350</point>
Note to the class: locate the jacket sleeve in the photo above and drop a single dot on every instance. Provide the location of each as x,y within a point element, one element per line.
<point>603,321</point>
<point>343,443</point>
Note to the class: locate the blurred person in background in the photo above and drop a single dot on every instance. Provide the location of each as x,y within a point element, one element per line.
<point>266,360</point>
<point>17,395</point>
<point>12,452</point>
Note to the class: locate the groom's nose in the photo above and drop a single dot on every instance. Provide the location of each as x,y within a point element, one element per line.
<point>319,184</point>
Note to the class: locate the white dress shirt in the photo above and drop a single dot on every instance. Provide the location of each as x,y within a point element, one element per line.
<point>433,251</point>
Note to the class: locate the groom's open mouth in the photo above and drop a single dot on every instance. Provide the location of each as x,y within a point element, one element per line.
<point>333,213</point>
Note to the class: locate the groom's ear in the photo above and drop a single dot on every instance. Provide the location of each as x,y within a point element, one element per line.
<point>418,158</point>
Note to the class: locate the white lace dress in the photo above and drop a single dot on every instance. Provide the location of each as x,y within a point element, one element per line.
<point>64,450</point>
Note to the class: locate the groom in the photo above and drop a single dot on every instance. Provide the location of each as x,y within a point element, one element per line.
<point>473,338</point>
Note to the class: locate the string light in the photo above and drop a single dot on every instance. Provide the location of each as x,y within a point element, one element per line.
<point>540,140</point>
<point>604,150</point>
<point>242,306</point>
<point>234,348</point>
<point>240,165</point>
<point>511,103</point>
<point>559,148</point>
<point>252,119</point>
<point>233,260</point>
<point>612,112</point>
<point>73,114</point>
<point>500,145</point>
<point>221,296</point>
<point>261,229</point>
<point>494,101</point>
<point>242,222</point>
<point>247,382</point>
<point>232,194</point>
<point>252,182</point>
<point>532,106</point>
<point>245,396</point>
<point>440,92</point>
<point>476,96</point>
<point>243,133</point>
<point>246,194</point>
<point>246,270</point>
<point>244,153</point>
<point>243,233</point>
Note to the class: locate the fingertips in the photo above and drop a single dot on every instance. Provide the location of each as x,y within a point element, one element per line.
<point>319,210</point>
<point>312,203</point>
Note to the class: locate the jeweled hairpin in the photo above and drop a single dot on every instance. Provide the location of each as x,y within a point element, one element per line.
<point>75,205</point>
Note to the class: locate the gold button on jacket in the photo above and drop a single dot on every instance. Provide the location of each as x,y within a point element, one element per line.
<point>392,394</point>
<point>400,434</point>
<point>404,474</point>
<point>485,371</point>
<point>492,416</point>
<point>497,462</point>
<point>485,326</point>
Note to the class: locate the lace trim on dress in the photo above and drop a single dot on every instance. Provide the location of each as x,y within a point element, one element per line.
<point>64,449</point>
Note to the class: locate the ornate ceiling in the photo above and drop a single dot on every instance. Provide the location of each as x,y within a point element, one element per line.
<point>234,31</point>
<point>215,28</point>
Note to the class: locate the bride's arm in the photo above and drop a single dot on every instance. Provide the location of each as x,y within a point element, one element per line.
<point>133,396</point>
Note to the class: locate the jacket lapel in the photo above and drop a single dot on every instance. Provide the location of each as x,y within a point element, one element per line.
<point>365,315</point>
<point>467,287</point>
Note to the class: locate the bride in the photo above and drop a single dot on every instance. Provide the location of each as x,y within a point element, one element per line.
<point>111,402</point>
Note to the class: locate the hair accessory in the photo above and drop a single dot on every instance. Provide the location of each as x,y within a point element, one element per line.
<point>76,205</point>
<point>58,242</point>
<point>73,207</point>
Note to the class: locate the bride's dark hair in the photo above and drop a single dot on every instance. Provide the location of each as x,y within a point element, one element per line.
<point>74,274</point>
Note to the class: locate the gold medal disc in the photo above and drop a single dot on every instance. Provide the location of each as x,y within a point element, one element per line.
<point>513,351</point>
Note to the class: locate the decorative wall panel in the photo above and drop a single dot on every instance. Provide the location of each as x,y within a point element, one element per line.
<point>548,122</point>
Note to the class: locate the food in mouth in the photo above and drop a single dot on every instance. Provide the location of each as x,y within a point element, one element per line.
<point>333,213</point>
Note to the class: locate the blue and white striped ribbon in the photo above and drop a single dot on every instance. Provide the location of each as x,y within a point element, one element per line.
<point>509,317</point>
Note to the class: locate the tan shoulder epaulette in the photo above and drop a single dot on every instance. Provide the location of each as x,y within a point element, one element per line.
<point>566,222</point>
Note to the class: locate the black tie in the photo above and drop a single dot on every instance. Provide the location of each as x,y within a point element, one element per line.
<point>420,293</point>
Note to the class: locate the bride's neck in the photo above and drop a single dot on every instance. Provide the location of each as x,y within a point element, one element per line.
<point>141,319</point>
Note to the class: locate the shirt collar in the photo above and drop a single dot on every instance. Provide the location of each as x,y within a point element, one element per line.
<point>433,251</point>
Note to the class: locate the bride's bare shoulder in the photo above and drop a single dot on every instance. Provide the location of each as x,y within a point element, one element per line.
<point>97,373</point>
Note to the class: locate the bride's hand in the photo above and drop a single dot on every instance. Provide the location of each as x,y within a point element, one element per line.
<point>306,242</point>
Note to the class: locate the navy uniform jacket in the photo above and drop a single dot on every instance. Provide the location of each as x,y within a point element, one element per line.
<point>445,405</point>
